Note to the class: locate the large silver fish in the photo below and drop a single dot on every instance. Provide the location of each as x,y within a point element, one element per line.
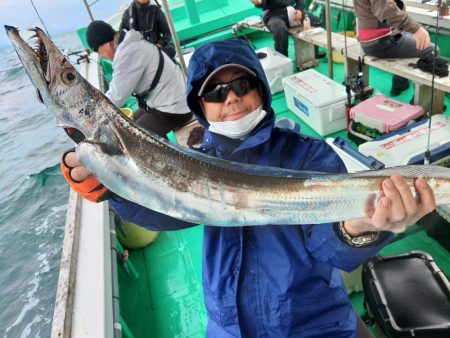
<point>142,167</point>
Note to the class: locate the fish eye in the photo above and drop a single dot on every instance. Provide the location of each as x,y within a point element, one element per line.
<point>69,77</point>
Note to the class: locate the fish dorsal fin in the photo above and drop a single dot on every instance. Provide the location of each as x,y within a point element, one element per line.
<point>245,168</point>
<point>409,171</point>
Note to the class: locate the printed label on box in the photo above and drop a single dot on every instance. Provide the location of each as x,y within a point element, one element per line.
<point>303,108</point>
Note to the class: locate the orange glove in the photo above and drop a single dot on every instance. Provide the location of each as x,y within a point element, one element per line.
<point>90,188</point>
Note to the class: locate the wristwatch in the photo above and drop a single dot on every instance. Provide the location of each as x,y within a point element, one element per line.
<point>362,240</point>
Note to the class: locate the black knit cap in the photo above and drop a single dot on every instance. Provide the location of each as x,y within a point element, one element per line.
<point>98,33</point>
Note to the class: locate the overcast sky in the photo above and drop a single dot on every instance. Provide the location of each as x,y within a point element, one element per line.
<point>58,15</point>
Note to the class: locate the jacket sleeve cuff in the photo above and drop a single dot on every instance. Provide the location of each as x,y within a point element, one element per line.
<point>363,240</point>
<point>324,244</point>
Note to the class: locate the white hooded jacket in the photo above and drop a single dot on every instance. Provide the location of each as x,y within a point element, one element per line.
<point>134,67</point>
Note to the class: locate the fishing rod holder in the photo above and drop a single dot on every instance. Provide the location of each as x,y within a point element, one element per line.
<point>83,58</point>
<point>358,86</point>
<point>83,55</point>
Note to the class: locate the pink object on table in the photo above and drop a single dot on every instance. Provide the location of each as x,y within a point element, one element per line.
<point>384,114</point>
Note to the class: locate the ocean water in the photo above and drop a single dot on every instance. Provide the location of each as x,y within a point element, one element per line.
<point>33,200</point>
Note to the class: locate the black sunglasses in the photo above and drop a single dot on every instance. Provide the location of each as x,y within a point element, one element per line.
<point>219,92</point>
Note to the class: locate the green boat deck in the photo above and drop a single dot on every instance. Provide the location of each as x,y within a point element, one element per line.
<point>166,300</point>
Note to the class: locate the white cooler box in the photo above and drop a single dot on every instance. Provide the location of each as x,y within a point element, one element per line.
<point>317,100</point>
<point>407,145</point>
<point>276,66</point>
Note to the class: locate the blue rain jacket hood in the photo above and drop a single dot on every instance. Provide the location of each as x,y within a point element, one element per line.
<point>265,281</point>
<point>210,56</point>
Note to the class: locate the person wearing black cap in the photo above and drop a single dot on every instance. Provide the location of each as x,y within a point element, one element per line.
<point>272,280</point>
<point>140,68</point>
<point>150,20</point>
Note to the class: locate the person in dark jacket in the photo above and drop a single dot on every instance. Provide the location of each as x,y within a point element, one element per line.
<point>276,18</point>
<point>150,20</point>
<point>271,280</point>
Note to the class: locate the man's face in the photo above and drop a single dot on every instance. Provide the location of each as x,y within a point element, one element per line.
<point>143,2</point>
<point>234,107</point>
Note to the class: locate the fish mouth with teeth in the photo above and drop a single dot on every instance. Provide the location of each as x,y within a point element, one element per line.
<point>35,60</point>
<point>41,53</point>
<point>44,63</point>
<point>42,57</point>
<point>50,72</point>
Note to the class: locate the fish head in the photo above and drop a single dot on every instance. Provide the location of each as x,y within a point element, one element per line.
<point>64,91</point>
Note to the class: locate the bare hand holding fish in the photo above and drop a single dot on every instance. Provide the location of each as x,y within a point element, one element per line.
<point>397,208</point>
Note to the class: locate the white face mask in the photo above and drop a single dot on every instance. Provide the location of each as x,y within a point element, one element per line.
<point>239,128</point>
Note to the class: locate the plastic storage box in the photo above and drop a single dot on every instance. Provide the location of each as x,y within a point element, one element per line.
<point>407,295</point>
<point>317,100</point>
<point>408,144</point>
<point>276,66</point>
<point>384,114</point>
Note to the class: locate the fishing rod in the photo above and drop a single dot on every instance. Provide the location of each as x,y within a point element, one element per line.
<point>40,19</point>
<point>329,43</point>
<point>349,103</point>
<point>88,8</point>
<point>427,154</point>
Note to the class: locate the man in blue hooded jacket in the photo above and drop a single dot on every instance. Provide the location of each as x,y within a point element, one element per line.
<point>271,281</point>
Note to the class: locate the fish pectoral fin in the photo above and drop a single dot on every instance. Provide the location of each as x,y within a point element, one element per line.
<point>108,143</point>
<point>110,149</point>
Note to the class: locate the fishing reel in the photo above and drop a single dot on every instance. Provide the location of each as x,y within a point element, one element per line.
<point>358,86</point>
<point>356,83</point>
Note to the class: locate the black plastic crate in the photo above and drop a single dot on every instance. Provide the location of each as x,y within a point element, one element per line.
<point>407,295</point>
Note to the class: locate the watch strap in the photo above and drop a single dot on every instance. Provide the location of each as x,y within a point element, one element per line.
<point>365,239</point>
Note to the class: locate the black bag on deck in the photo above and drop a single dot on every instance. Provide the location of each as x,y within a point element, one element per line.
<point>407,295</point>
<point>440,65</point>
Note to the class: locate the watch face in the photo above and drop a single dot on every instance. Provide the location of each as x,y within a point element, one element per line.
<point>365,239</point>
<point>357,241</point>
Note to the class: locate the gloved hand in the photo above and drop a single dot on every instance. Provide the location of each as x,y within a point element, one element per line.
<point>90,188</point>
